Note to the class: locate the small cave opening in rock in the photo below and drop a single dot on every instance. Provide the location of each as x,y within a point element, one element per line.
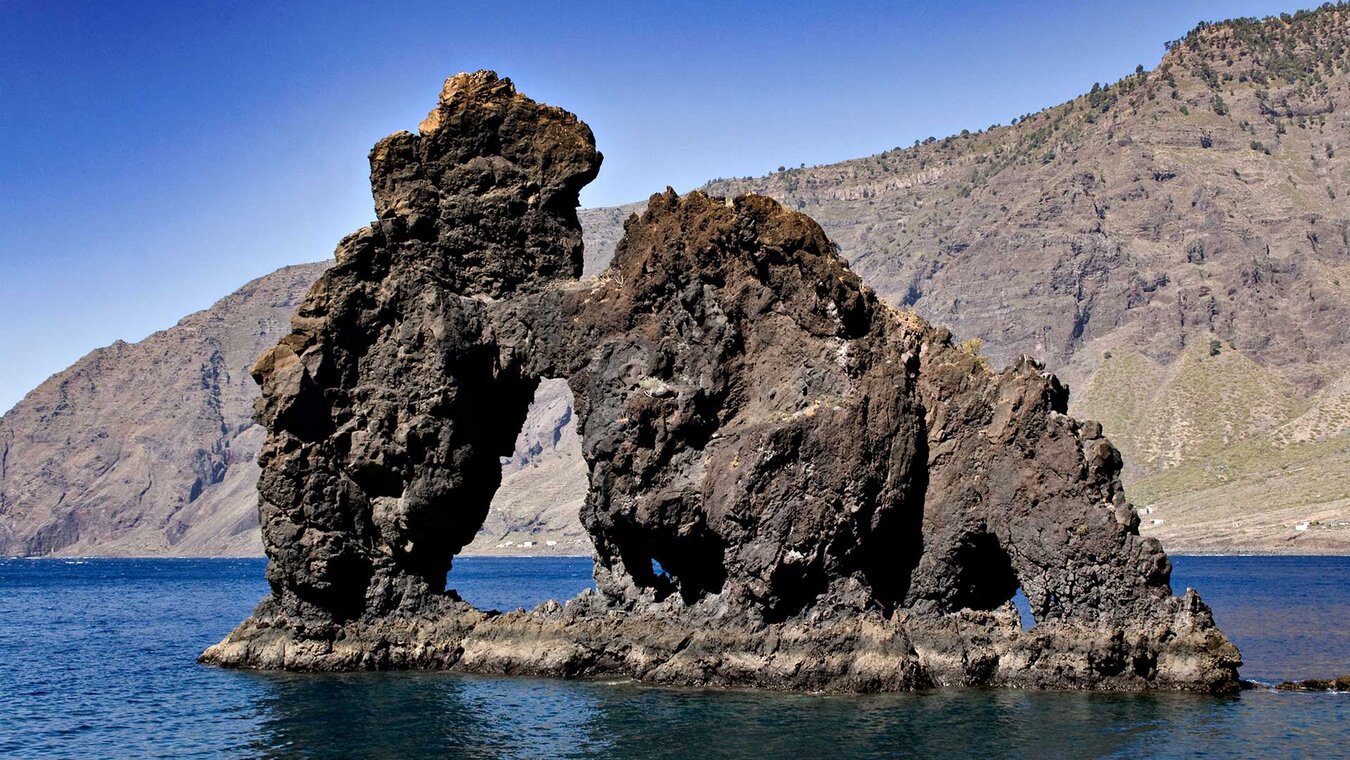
<point>691,566</point>
<point>985,578</point>
<point>794,589</point>
<point>533,526</point>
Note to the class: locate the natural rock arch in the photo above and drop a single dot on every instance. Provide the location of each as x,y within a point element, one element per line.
<point>544,483</point>
<point>828,486</point>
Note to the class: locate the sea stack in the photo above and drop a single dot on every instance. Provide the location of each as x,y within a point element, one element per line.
<point>792,485</point>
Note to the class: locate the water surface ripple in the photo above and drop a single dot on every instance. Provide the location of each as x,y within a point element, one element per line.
<point>97,659</point>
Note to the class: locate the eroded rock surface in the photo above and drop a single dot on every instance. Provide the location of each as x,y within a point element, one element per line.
<point>792,485</point>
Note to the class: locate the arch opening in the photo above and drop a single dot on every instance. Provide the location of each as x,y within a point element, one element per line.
<point>987,579</point>
<point>534,513</point>
<point>691,566</point>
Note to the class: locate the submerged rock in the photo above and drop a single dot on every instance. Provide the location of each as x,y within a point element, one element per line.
<point>792,485</point>
<point>1340,683</point>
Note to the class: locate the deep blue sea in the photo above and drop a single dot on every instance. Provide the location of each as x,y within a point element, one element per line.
<point>97,659</point>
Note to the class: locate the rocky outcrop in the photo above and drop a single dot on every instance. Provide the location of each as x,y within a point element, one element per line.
<point>791,484</point>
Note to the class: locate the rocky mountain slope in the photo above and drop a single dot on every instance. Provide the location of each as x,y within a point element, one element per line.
<point>147,448</point>
<point>1176,245</point>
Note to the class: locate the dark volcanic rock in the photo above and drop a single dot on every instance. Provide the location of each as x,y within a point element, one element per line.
<point>792,485</point>
<point>390,404</point>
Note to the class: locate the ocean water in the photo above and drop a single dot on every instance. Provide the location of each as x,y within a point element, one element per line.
<point>97,659</point>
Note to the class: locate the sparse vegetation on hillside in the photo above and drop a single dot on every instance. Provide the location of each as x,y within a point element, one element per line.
<point>1191,206</point>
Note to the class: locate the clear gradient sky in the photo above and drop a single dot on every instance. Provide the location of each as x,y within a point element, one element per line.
<point>156,155</point>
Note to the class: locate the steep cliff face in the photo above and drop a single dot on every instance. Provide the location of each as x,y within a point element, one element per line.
<point>148,448</point>
<point>791,484</point>
<point>1202,199</point>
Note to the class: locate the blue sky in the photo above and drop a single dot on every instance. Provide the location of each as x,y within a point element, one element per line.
<point>156,155</point>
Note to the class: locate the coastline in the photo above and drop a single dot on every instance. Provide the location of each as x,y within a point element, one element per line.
<point>1257,552</point>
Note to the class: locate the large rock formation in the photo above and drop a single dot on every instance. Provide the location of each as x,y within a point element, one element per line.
<point>792,484</point>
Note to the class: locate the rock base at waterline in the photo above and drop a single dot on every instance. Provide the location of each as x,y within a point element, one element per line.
<point>821,652</point>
